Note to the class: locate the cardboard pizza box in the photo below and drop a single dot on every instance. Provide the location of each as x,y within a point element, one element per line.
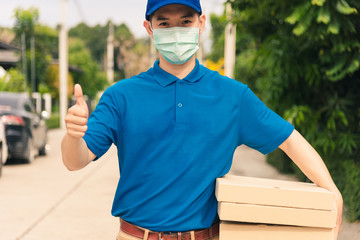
<point>236,231</point>
<point>251,213</point>
<point>269,192</point>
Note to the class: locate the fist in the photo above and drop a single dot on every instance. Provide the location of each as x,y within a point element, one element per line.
<point>77,116</point>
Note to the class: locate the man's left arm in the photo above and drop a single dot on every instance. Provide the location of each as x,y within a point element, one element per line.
<point>311,164</point>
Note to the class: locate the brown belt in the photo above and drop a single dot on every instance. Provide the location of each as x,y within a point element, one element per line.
<point>202,234</point>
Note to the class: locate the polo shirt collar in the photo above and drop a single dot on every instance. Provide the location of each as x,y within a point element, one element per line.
<point>164,78</point>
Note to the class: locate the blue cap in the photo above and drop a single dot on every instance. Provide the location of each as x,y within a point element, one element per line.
<point>154,5</point>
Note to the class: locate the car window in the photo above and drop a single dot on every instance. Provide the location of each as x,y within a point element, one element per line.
<point>9,102</point>
<point>29,108</point>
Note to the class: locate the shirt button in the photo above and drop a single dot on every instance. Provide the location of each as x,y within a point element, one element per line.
<point>180,105</point>
<point>180,84</point>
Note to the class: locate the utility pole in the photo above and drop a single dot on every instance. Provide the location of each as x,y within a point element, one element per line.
<point>63,64</point>
<point>230,44</point>
<point>23,56</point>
<point>110,54</point>
<point>33,69</point>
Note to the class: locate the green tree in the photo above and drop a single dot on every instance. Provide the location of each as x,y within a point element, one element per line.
<point>131,55</point>
<point>26,19</point>
<point>24,28</point>
<point>52,83</point>
<point>88,73</point>
<point>218,24</point>
<point>95,37</point>
<point>45,43</point>
<point>13,81</point>
<point>302,58</point>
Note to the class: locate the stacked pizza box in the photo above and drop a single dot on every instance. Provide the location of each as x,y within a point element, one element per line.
<point>257,208</point>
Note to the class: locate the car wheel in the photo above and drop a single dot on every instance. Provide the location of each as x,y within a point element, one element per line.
<point>30,152</point>
<point>43,150</point>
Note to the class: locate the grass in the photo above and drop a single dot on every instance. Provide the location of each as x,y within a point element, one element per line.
<point>53,121</point>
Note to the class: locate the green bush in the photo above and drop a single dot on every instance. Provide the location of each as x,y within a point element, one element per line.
<point>53,121</point>
<point>13,81</point>
<point>283,163</point>
<point>350,182</point>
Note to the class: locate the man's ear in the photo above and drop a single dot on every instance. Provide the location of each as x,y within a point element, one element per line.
<point>147,26</point>
<point>202,22</point>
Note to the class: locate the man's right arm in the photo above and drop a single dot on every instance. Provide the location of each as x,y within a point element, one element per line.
<point>75,153</point>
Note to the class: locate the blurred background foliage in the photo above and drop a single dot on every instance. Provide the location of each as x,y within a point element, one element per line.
<point>302,58</point>
<point>87,54</point>
<point>12,81</point>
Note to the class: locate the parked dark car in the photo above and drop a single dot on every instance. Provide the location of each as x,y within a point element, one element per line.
<point>25,129</point>
<point>3,147</point>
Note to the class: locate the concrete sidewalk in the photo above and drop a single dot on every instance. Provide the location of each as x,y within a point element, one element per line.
<point>83,211</point>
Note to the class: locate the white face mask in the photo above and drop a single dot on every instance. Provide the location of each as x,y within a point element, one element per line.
<point>178,44</point>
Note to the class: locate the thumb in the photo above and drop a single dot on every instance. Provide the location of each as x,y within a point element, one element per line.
<point>78,93</point>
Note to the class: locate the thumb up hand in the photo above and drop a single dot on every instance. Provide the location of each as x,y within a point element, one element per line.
<point>77,116</point>
<point>78,93</point>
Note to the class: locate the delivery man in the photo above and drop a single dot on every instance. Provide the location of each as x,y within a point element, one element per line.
<point>176,127</point>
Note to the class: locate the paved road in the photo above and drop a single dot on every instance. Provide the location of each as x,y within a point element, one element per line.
<point>42,200</point>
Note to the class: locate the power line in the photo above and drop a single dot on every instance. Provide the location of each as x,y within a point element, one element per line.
<point>79,9</point>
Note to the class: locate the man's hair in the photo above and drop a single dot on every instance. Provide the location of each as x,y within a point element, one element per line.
<point>195,13</point>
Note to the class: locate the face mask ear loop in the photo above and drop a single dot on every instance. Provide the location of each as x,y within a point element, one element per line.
<point>199,35</point>
<point>152,30</point>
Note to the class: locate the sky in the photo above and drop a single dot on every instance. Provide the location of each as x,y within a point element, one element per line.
<point>92,12</point>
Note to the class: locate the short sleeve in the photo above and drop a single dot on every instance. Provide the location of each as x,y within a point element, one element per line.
<point>260,127</point>
<point>103,125</point>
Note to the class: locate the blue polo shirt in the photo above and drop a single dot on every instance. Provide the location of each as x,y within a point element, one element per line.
<point>174,138</point>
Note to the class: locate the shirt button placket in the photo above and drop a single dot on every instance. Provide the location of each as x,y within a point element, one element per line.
<point>180,102</point>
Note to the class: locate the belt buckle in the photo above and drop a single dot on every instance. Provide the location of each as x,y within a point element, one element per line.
<point>162,235</point>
